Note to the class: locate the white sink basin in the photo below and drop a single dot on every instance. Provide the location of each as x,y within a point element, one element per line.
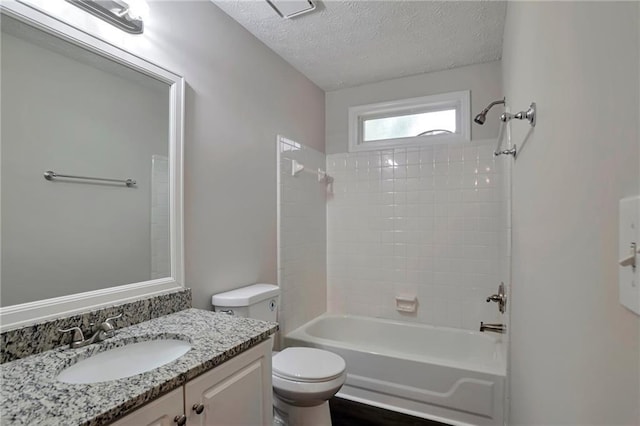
<point>124,361</point>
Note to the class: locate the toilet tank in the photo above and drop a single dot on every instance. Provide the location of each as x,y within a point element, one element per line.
<point>259,301</point>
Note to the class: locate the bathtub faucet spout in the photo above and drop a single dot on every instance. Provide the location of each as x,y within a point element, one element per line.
<point>495,328</point>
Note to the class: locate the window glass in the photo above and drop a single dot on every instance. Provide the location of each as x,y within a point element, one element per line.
<point>426,120</point>
<point>410,125</point>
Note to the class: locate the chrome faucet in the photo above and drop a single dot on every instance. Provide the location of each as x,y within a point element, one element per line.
<point>104,331</point>
<point>495,328</point>
<point>500,299</point>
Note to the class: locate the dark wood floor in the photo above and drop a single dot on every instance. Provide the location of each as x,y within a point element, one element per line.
<point>349,413</point>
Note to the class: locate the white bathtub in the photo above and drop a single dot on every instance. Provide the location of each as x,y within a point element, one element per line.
<point>443,374</point>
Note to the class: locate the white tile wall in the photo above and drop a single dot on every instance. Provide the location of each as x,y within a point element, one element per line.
<point>429,222</point>
<point>160,259</point>
<point>302,236</point>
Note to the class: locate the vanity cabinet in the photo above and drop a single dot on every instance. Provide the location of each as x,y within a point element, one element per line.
<point>160,412</point>
<point>237,392</point>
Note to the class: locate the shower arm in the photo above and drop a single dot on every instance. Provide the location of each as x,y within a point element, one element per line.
<point>492,104</point>
<point>482,117</point>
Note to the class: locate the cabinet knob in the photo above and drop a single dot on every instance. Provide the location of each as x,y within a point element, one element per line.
<point>180,420</point>
<point>198,408</point>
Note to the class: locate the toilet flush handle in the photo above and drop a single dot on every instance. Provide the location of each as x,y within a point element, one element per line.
<point>631,260</point>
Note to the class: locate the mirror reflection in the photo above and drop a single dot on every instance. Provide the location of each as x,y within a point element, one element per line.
<point>71,111</point>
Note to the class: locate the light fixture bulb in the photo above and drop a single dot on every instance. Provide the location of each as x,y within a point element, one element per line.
<point>138,9</point>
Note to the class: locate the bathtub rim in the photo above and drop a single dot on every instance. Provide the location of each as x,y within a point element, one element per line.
<point>301,334</point>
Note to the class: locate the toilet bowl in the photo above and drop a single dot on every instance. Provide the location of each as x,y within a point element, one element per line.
<point>304,379</point>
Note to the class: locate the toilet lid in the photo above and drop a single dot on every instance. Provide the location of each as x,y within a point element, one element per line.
<point>307,365</point>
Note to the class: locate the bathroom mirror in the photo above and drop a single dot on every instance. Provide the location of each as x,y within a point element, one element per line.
<point>90,172</point>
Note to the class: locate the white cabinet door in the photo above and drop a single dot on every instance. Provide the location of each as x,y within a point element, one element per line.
<point>160,412</point>
<point>238,392</point>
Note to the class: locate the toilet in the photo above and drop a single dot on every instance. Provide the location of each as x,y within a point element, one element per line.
<point>304,379</point>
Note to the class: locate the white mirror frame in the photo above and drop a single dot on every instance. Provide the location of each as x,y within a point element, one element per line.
<point>16,316</point>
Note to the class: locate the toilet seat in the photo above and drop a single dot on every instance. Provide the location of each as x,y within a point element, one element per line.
<point>307,365</point>
<point>305,394</point>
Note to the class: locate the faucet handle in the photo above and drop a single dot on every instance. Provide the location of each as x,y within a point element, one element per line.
<point>500,298</point>
<point>114,318</point>
<point>78,336</point>
<point>107,327</point>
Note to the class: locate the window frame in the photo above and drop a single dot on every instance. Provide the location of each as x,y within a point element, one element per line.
<point>460,101</point>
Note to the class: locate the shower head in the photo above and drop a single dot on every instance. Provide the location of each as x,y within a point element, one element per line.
<point>482,117</point>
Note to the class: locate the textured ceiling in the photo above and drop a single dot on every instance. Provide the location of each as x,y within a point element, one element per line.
<point>348,43</point>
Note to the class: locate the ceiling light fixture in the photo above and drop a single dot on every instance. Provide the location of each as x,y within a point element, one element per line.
<point>125,15</point>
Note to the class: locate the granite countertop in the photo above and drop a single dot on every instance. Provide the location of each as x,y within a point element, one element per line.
<point>31,395</point>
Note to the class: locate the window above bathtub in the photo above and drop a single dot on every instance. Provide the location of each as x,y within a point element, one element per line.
<point>426,120</point>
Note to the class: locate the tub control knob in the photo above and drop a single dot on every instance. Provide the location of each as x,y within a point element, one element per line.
<point>198,408</point>
<point>500,298</point>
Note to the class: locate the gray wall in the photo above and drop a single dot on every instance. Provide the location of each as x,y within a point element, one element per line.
<point>575,350</point>
<point>61,111</point>
<point>240,95</point>
<point>484,81</point>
